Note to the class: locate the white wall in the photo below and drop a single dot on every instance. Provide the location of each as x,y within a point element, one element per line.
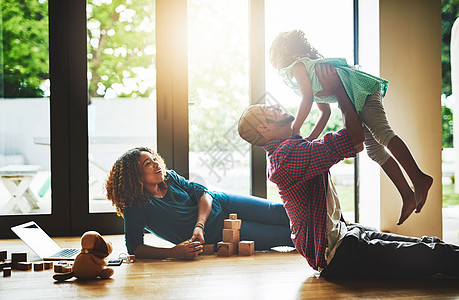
<point>369,61</point>
<point>410,47</point>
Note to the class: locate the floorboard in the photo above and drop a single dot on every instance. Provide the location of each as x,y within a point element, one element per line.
<point>266,275</point>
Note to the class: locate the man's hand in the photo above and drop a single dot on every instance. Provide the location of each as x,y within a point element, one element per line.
<point>332,85</point>
<point>329,79</point>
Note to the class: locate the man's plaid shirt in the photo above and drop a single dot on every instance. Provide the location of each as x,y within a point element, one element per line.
<point>300,170</point>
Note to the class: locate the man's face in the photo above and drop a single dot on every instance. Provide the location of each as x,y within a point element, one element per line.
<point>278,122</point>
<point>274,114</point>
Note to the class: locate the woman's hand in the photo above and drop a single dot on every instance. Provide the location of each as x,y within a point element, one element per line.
<point>187,250</point>
<point>198,233</point>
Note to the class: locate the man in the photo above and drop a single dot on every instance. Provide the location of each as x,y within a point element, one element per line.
<point>300,169</point>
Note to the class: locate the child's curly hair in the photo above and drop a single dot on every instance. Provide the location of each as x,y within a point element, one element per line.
<point>288,46</point>
<point>124,184</point>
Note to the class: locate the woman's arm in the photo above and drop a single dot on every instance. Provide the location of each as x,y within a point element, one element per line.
<point>301,76</point>
<point>185,250</point>
<point>204,208</point>
<point>325,113</point>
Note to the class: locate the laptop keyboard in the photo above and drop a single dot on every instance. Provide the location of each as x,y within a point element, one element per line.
<point>67,253</point>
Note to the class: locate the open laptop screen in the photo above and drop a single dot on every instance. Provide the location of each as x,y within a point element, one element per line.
<point>37,239</point>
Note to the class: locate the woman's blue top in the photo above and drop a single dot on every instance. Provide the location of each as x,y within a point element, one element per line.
<point>174,216</point>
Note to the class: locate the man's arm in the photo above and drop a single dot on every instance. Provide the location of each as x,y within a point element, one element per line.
<point>332,85</point>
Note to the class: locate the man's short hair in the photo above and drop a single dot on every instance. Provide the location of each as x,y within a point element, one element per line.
<point>248,123</point>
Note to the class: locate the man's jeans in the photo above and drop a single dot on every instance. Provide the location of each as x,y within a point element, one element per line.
<point>367,253</point>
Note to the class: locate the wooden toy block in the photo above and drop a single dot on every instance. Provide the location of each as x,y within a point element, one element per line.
<point>6,272</point>
<point>66,269</point>
<point>225,249</point>
<point>58,268</point>
<point>48,265</point>
<point>24,266</point>
<point>231,235</point>
<point>38,266</point>
<point>232,224</point>
<point>62,268</point>
<point>233,216</point>
<point>5,264</point>
<point>18,257</point>
<point>246,247</point>
<point>208,249</point>
<point>3,255</point>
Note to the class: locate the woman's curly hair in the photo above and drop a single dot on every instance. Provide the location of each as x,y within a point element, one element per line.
<point>124,184</point>
<point>288,46</point>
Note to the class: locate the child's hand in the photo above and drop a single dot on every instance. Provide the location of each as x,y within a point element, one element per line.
<point>309,138</point>
<point>329,80</point>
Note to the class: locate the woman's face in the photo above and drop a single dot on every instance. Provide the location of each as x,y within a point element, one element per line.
<point>152,172</point>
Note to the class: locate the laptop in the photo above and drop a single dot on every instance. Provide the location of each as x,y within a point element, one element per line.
<point>40,243</point>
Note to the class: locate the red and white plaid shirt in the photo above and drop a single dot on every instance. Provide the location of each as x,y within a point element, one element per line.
<point>300,170</point>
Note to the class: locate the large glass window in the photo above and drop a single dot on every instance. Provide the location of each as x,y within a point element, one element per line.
<point>121,84</point>
<point>218,93</point>
<point>332,36</point>
<point>24,108</point>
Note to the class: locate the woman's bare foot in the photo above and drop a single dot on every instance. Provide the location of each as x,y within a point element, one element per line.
<point>409,205</point>
<point>421,188</point>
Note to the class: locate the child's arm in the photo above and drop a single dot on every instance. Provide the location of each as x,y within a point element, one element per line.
<point>325,113</point>
<point>301,76</point>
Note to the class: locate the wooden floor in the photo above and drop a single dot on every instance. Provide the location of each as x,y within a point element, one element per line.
<point>266,275</point>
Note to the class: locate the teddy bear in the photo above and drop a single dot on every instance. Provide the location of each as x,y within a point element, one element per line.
<point>89,263</point>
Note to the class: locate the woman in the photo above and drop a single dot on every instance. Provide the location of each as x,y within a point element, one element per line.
<point>185,213</point>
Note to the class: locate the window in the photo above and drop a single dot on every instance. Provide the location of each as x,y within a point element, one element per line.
<point>24,109</point>
<point>171,75</point>
<point>332,37</point>
<point>121,87</point>
<point>218,93</point>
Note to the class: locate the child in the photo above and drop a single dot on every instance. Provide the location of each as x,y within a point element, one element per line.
<point>294,58</point>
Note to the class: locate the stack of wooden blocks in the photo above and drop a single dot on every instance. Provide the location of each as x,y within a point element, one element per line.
<point>19,261</point>
<point>231,243</point>
<point>5,265</point>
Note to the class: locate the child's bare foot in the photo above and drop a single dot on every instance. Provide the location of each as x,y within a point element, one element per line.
<point>409,204</point>
<point>421,189</point>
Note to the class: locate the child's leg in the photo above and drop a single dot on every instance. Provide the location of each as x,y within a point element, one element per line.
<point>374,117</point>
<point>379,154</point>
<point>420,180</point>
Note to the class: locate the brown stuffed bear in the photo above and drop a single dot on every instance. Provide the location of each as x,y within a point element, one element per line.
<point>90,263</point>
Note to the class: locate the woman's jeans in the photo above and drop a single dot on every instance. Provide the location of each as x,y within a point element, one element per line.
<point>367,253</point>
<point>263,221</point>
